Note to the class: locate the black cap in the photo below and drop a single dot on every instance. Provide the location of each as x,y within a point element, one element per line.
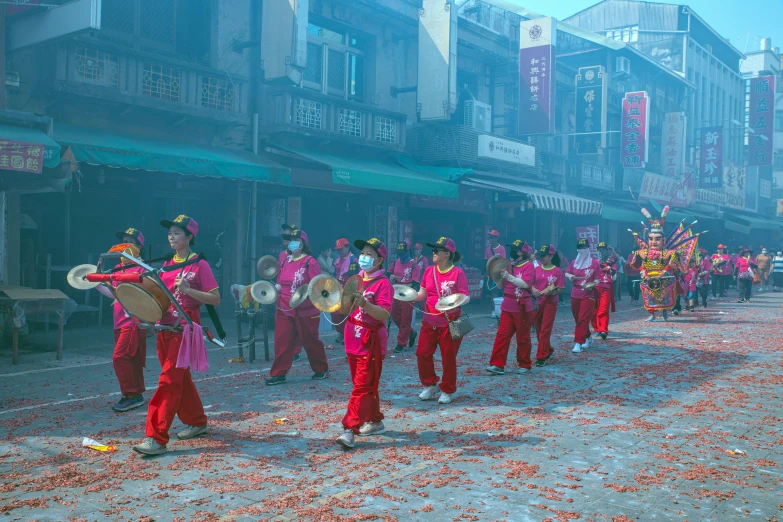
<point>582,243</point>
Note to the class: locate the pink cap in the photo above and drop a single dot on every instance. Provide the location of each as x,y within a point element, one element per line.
<point>301,234</point>
<point>341,243</point>
<point>375,243</point>
<point>184,222</point>
<point>132,232</point>
<point>418,246</point>
<point>444,242</point>
<point>404,245</point>
<point>494,233</point>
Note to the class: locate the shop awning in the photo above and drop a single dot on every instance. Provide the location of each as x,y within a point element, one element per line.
<point>444,173</point>
<point>751,221</point>
<point>10,136</point>
<point>545,199</point>
<point>616,212</point>
<point>98,147</point>
<point>377,174</point>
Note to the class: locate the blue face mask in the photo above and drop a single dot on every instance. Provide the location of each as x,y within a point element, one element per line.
<point>293,246</point>
<point>366,262</point>
<point>405,256</point>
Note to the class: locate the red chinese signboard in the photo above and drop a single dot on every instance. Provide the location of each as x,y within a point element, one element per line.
<point>21,157</point>
<point>762,117</point>
<point>635,130</point>
<point>406,231</point>
<point>711,154</point>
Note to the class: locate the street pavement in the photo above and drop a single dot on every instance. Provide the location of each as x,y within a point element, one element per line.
<point>663,421</point>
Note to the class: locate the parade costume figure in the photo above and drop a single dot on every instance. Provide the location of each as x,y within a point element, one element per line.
<point>549,284</point>
<point>176,395</point>
<point>300,324</point>
<point>341,265</point>
<point>584,272</point>
<point>516,311</point>
<point>404,271</point>
<point>366,338</point>
<point>605,302</point>
<point>662,261</point>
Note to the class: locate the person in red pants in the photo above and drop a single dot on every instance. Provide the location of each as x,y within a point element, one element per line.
<point>282,257</point>
<point>548,285</point>
<point>440,280</point>
<point>130,341</point>
<point>584,270</point>
<point>299,324</point>
<point>516,311</point>
<point>605,291</point>
<point>341,265</point>
<point>176,395</point>
<point>365,344</point>
<point>404,271</point>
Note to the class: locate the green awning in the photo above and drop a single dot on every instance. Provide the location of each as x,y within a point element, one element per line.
<point>615,212</point>
<point>444,173</point>
<point>377,174</point>
<point>35,137</point>
<point>755,222</point>
<point>99,147</point>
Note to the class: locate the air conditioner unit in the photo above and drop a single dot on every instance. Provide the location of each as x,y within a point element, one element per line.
<point>478,115</point>
<point>622,66</point>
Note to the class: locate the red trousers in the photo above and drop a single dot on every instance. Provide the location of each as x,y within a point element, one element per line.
<point>512,323</point>
<point>544,319</point>
<point>176,394</point>
<point>600,319</point>
<point>291,330</point>
<point>130,354</point>
<point>402,315</point>
<point>430,338</point>
<point>582,309</point>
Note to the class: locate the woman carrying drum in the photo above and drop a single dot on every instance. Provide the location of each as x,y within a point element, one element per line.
<point>176,395</point>
<point>300,324</point>
<point>130,342</point>
<point>516,311</point>
<point>440,280</point>
<point>549,284</point>
<point>366,338</point>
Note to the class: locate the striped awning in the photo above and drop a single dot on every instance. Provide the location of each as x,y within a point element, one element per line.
<point>544,199</point>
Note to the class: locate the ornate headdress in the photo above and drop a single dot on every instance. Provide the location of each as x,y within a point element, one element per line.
<point>656,225</point>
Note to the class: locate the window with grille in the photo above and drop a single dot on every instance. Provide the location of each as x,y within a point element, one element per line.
<point>98,67</point>
<point>160,81</point>
<point>350,122</point>
<point>385,129</point>
<point>217,93</point>
<point>309,113</point>
<point>335,62</point>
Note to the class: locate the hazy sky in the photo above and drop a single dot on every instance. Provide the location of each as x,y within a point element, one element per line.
<point>736,20</point>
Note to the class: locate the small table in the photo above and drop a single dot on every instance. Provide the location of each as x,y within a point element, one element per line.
<point>34,301</point>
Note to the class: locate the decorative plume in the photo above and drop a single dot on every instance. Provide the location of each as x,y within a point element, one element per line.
<point>647,214</point>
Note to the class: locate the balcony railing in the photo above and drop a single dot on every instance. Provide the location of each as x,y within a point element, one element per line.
<point>97,70</point>
<point>297,110</point>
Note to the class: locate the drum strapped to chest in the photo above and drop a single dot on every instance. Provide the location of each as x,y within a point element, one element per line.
<point>146,301</point>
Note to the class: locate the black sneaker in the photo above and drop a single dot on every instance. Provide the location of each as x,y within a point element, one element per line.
<point>551,353</point>
<point>603,335</point>
<point>320,376</point>
<point>274,381</point>
<point>296,357</point>
<point>412,340</point>
<point>339,339</point>
<point>399,348</point>
<point>541,362</point>
<point>126,403</point>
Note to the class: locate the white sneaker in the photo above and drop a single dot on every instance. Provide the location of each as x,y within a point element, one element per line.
<point>589,343</point>
<point>429,393</point>
<point>150,447</point>
<point>650,319</point>
<point>191,431</point>
<point>346,440</point>
<point>445,398</point>
<point>577,348</point>
<point>372,428</point>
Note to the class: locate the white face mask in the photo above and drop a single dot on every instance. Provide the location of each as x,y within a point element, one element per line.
<point>764,251</point>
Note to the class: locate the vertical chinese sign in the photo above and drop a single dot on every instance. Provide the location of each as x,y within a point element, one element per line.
<point>391,237</point>
<point>590,233</point>
<point>21,157</point>
<point>635,130</point>
<point>406,231</point>
<point>711,155</point>
<point>591,93</point>
<point>673,145</point>
<point>536,76</point>
<point>762,116</point>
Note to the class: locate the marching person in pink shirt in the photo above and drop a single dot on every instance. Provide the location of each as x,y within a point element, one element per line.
<point>703,282</point>
<point>299,324</point>
<point>583,271</point>
<point>365,344</point>
<point>516,311</point>
<point>440,280</point>
<point>605,291</point>
<point>691,279</point>
<point>549,284</point>
<point>281,257</point>
<point>404,271</point>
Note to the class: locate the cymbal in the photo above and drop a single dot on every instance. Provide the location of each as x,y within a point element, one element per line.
<point>263,292</point>
<point>450,302</point>
<point>267,267</point>
<point>324,292</point>
<point>299,297</point>
<point>404,293</point>
<point>590,285</point>
<point>76,276</point>
<point>495,266</point>
<point>354,285</point>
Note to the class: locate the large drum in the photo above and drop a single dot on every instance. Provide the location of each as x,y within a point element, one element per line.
<point>146,300</point>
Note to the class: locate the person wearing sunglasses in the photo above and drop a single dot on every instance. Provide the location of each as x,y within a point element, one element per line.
<point>440,280</point>
<point>298,325</point>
